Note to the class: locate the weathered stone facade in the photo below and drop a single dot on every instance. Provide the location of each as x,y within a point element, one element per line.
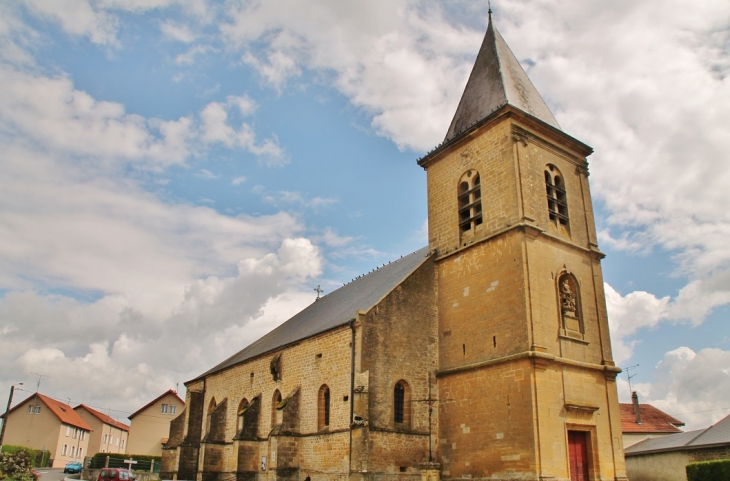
<point>482,363</point>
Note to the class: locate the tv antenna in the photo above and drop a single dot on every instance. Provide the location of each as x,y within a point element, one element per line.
<point>629,376</point>
<point>40,376</point>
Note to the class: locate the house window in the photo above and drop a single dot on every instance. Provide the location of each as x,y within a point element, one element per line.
<point>275,413</point>
<point>105,438</point>
<point>76,433</point>
<point>208,421</point>
<point>63,451</point>
<point>401,403</point>
<point>81,453</point>
<point>557,200</point>
<point>37,409</point>
<point>122,446</point>
<point>164,409</point>
<point>30,409</point>
<point>173,409</point>
<point>73,451</point>
<point>83,435</point>
<point>470,201</point>
<point>323,407</point>
<point>68,430</point>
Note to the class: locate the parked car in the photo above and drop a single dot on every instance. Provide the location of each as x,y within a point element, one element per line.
<point>73,467</point>
<point>115,474</point>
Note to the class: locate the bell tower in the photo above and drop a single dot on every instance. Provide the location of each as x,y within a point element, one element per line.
<point>525,366</point>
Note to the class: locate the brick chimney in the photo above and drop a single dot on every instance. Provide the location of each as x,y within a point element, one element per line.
<point>637,409</point>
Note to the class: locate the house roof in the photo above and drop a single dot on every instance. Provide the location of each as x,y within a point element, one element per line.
<point>717,434</point>
<point>103,417</point>
<point>62,411</point>
<point>333,310</point>
<point>653,420</point>
<point>171,391</point>
<point>497,79</point>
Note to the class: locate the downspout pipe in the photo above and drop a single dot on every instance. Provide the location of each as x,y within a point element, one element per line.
<point>352,385</point>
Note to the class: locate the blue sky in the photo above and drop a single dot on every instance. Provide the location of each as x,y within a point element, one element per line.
<point>179,176</point>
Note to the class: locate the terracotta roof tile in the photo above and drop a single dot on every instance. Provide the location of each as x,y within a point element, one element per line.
<point>171,391</point>
<point>63,412</point>
<point>104,418</point>
<point>653,420</point>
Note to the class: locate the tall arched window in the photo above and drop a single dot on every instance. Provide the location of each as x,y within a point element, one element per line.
<point>401,403</point>
<point>470,201</point>
<point>275,413</point>
<point>556,198</point>
<point>323,407</point>
<point>211,407</point>
<point>241,415</point>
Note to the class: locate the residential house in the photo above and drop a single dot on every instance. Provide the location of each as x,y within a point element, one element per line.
<point>150,425</point>
<point>642,421</point>
<point>43,423</point>
<point>108,435</point>
<point>665,458</point>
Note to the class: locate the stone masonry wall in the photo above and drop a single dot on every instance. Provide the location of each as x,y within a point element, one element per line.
<point>399,344</point>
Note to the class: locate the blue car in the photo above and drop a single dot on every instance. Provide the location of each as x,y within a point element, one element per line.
<point>73,467</point>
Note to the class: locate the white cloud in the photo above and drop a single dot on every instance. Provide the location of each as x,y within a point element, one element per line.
<point>238,180</point>
<point>690,385</point>
<point>285,197</point>
<point>177,31</point>
<point>110,339</point>
<point>206,174</point>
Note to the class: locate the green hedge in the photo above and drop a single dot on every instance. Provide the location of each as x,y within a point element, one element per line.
<point>716,470</point>
<point>40,459</point>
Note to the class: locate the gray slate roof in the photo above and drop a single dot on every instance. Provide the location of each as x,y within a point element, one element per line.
<point>330,311</point>
<point>718,433</point>
<point>496,80</point>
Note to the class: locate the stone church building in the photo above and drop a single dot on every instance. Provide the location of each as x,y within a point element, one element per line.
<point>485,355</point>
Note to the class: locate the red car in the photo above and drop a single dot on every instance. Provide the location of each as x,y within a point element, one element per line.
<point>115,474</point>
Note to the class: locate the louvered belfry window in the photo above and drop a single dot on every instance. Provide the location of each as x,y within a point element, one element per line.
<point>557,200</point>
<point>470,201</point>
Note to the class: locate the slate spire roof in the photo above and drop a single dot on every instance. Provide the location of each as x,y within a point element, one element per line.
<point>496,80</point>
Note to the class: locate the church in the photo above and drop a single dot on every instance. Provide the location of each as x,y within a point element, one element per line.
<point>485,355</point>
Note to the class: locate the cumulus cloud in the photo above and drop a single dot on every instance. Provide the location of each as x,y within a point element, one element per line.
<point>109,343</point>
<point>692,386</point>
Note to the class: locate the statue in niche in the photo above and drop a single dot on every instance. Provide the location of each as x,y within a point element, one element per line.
<point>568,298</point>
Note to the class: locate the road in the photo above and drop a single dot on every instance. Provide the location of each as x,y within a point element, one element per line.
<point>57,474</point>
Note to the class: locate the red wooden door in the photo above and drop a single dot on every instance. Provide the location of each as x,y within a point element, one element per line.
<point>578,449</point>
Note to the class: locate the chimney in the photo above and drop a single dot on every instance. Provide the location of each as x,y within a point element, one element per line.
<point>637,408</point>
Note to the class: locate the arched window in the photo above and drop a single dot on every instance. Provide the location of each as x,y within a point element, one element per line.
<point>570,306</point>
<point>275,413</point>
<point>556,199</point>
<point>470,201</point>
<point>401,403</point>
<point>211,407</point>
<point>241,414</point>
<point>323,407</point>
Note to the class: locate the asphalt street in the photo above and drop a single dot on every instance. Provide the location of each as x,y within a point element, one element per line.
<point>56,475</point>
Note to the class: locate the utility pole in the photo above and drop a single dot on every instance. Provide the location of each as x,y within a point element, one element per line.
<point>7,410</point>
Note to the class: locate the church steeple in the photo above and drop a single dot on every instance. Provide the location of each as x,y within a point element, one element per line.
<point>496,80</point>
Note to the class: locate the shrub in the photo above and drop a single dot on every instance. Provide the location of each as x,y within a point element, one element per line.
<point>716,470</point>
<point>40,458</point>
<point>16,466</point>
